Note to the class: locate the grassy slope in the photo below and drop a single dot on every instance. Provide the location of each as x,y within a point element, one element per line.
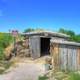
<point>5,40</point>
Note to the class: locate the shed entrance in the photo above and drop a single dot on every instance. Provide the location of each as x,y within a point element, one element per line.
<point>44,46</point>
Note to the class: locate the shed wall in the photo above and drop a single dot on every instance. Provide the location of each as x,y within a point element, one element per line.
<point>66,57</point>
<point>78,58</point>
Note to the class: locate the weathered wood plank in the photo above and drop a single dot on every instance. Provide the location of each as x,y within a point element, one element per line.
<point>35,47</point>
<point>74,59</point>
<point>66,57</point>
<point>69,58</point>
<point>78,58</point>
<point>63,57</point>
<point>56,56</point>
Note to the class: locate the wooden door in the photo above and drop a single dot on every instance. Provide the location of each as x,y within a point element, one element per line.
<point>35,46</point>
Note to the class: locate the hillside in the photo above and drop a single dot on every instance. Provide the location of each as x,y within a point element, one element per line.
<point>5,40</point>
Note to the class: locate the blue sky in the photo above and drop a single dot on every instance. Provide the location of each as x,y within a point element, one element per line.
<point>46,14</point>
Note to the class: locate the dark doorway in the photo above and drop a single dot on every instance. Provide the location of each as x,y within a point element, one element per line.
<point>45,46</point>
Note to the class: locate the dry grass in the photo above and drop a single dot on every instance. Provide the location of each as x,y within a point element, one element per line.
<point>4,65</point>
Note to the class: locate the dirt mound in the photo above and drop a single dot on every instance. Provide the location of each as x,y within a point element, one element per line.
<point>21,48</point>
<point>41,59</point>
<point>8,50</point>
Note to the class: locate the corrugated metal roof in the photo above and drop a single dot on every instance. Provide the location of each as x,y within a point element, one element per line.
<point>66,42</point>
<point>46,32</point>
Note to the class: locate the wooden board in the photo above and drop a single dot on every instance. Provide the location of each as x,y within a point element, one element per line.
<point>78,58</point>
<point>75,64</point>
<point>35,46</point>
<point>68,57</point>
<point>63,57</point>
<point>72,58</point>
<point>56,57</point>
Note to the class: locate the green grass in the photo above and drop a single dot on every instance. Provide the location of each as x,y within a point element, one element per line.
<point>43,78</point>
<point>68,76</point>
<point>74,76</point>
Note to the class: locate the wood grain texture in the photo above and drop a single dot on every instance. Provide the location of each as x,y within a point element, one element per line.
<point>55,53</point>
<point>66,57</point>
<point>63,57</point>
<point>35,47</point>
<point>78,58</point>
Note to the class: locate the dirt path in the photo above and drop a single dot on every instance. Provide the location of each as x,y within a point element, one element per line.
<point>24,71</point>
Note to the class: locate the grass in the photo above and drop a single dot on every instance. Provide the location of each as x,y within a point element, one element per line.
<point>4,65</point>
<point>63,76</point>
<point>74,76</point>
<point>43,78</point>
<point>67,76</point>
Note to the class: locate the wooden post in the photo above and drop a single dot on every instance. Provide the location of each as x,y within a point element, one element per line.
<point>55,56</point>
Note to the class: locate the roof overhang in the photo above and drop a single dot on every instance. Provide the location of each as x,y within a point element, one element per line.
<point>45,33</point>
<point>66,43</point>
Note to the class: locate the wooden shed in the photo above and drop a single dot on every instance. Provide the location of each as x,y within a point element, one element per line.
<point>65,55</point>
<point>39,42</point>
